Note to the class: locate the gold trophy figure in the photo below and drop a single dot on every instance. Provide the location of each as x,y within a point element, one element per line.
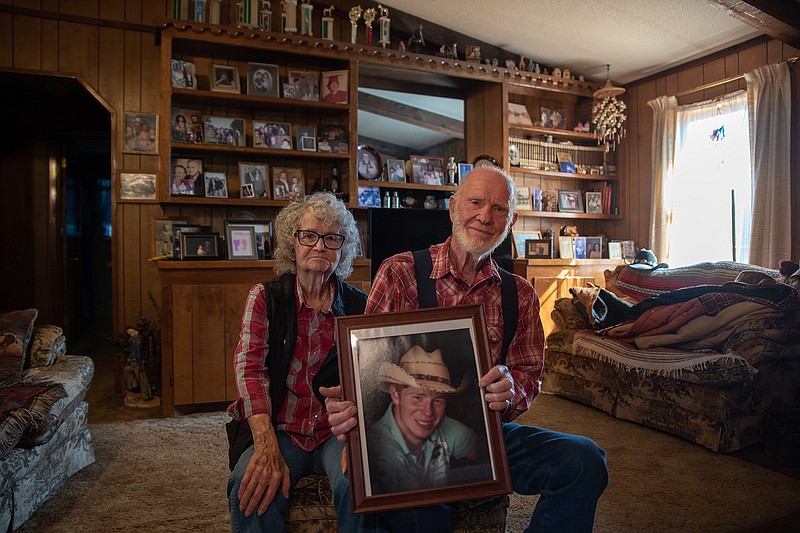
<point>383,23</point>
<point>369,18</point>
<point>355,14</point>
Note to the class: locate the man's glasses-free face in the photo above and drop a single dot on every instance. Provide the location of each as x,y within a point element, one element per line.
<point>331,241</point>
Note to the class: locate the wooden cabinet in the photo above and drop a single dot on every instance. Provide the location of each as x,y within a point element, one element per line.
<point>553,278</point>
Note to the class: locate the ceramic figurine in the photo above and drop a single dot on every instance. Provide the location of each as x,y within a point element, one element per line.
<point>521,63</point>
<point>384,26</point>
<point>452,171</point>
<point>369,18</point>
<point>327,23</point>
<point>495,62</point>
<point>416,43</point>
<point>531,66</point>
<point>565,73</point>
<point>537,69</point>
<point>402,46</point>
<point>556,72</point>
<point>454,51</point>
<point>510,64</point>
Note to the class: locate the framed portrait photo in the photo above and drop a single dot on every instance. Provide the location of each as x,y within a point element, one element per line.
<point>566,247</point>
<point>306,84</point>
<point>427,170</point>
<point>614,250</point>
<point>183,74</point>
<point>186,125</point>
<point>523,198</point>
<point>537,249</point>
<point>141,133</point>
<point>241,243</point>
<point>224,130</point>
<point>186,176</point>
<point>254,180</point>
<point>288,183</point>
<point>332,138</point>
<point>570,201</point>
<point>199,245</point>
<point>594,247</point>
<point>216,185</point>
<point>137,187</point>
<point>263,80</point>
<point>396,170</point>
<point>306,139</point>
<point>369,164</point>
<point>262,230</point>
<point>334,86</point>
<point>463,170</point>
<point>594,203</point>
<point>225,78</point>
<point>393,359</point>
<point>519,240</point>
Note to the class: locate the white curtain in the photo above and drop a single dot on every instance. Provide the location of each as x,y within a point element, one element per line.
<point>663,149</point>
<point>770,106</point>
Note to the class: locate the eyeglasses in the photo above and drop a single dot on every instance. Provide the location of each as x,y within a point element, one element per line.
<point>331,241</point>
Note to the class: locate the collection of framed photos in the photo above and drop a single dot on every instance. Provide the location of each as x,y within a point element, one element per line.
<point>593,248</point>
<point>243,240</point>
<point>563,201</point>
<point>423,170</point>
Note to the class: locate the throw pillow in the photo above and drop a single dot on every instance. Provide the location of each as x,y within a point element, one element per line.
<point>47,345</point>
<point>25,405</point>
<point>18,324</point>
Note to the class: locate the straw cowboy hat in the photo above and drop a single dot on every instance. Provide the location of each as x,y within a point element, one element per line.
<point>420,369</point>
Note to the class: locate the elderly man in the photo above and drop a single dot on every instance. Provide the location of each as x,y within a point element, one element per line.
<point>568,471</point>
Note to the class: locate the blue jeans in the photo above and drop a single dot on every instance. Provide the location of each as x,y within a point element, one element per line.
<point>568,471</point>
<point>324,460</point>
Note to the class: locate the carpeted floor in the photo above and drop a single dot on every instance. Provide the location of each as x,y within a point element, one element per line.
<point>169,475</point>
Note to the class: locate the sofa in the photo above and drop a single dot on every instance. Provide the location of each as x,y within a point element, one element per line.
<point>707,352</point>
<point>44,434</point>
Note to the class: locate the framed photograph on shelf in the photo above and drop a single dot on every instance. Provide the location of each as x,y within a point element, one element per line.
<point>628,250</point>
<point>614,250</point>
<point>216,184</point>
<point>224,130</point>
<point>306,139</point>
<point>288,183</point>
<point>565,163</point>
<point>580,247</point>
<point>306,84</point>
<point>254,180</point>
<point>570,201</point>
<point>183,74</point>
<point>518,115</point>
<point>262,230</point>
<point>241,243</point>
<point>163,243</point>
<point>334,86</point>
<point>427,170</point>
<point>186,126</point>
<point>519,240</point>
<point>178,230</point>
<point>537,249</point>
<point>186,177</point>
<point>594,203</point>
<point>225,78</point>
<point>199,245</point>
<point>263,80</point>
<point>594,247</point>
<point>332,138</point>
<point>437,353</point>
<point>141,133</point>
<point>369,164</point>
<point>523,199</point>
<point>369,196</point>
<point>463,170</point>
<point>554,118</point>
<point>137,187</point>
<point>566,247</point>
<point>396,170</point>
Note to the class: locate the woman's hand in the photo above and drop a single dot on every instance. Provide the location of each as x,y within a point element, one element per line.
<point>266,472</point>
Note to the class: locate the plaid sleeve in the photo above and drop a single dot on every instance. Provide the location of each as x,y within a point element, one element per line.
<point>394,287</point>
<point>249,361</point>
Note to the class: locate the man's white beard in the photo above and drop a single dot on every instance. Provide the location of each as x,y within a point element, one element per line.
<point>475,246</point>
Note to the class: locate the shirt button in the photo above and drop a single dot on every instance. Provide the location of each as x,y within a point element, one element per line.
<point>494,339</point>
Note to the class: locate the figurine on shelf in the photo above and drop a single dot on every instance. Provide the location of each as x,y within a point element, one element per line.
<point>510,64</point>
<point>355,14</point>
<point>452,171</point>
<point>537,69</point>
<point>369,18</point>
<point>442,52</point>
<point>384,26</point>
<point>416,43</point>
<point>556,72</point>
<point>327,23</point>
<point>578,128</point>
<point>453,51</point>
<point>521,64</point>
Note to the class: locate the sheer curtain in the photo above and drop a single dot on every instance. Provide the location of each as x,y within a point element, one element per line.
<point>665,109</point>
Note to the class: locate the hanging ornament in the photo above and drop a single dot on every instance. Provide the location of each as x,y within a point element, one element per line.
<point>608,113</point>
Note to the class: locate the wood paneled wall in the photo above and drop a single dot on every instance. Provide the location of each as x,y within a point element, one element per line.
<point>635,152</point>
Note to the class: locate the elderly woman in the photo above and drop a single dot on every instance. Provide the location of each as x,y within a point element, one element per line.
<point>280,430</point>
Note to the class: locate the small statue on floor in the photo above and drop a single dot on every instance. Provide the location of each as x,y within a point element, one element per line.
<point>139,392</point>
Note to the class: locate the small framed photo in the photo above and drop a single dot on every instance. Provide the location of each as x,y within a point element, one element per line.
<point>225,78</point>
<point>594,202</point>
<point>272,135</point>
<point>141,133</point>
<point>289,90</point>
<point>570,201</point>
<point>537,249</point>
<point>224,130</point>
<point>396,170</point>
<point>519,240</point>
<point>332,138</point>
<point>186,177</point>
<point>253,178</point>
<point>580,247</point>
<point>518,115</point>
<point>216,185</point>
<point>369,196</point>
<point>199,245</point>
<point>263,235</point>
<point>241,243</point>
<point>463,170</point>
<point>306,84</point>
<point>614,250</point>
<point>186,126</point>
<point>594,247</point>
<point>537,199</point>
<point>334,86</point>
<point>163,238</point>
<point>137,187</point>
<point>288,183</point>
<point>566,247</point>
<point>436,355</point>
<point>554,118</point>
<point>178,230</point>
<point>183,74</point>
<point>263,80</point>
<point>369,164</point>
<point>628,250</point>
<point>427,170</point>
<point>306,139</point>
<point>473,53</point>
<point>523,199</point>
<point>565,163</point>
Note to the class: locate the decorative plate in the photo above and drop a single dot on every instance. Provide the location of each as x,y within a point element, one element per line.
<point>370,166</point>
<point>483,161</point>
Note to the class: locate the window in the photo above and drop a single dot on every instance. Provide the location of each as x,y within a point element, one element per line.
<point>712,158</point>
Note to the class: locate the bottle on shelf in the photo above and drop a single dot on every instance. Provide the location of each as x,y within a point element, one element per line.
<point>335,179</point>
<point>395,200</point>
<point>387,200</point>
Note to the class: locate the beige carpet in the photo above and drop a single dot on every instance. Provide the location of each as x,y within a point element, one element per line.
<point>169,475</point>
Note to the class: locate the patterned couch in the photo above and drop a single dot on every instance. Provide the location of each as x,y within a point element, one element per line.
<point>708,352</point>
<point>44,434</point>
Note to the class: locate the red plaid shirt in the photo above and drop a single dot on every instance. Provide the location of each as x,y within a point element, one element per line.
<point>395,289</point>
<point>302,416</point>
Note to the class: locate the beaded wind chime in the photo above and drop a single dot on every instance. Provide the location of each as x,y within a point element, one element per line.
<point>608,113</point>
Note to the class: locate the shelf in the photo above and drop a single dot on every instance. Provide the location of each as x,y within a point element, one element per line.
<point>558,214</point>
<point>557,134</point>
<point>246,150</point>
<point>172,264</point>
<point>198,97</point>
<point>201,200</point>
<point>409,186</point>
<point>569,175</point>
<point>568,262</point>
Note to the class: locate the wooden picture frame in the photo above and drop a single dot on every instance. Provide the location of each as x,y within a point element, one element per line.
<point>216,185</point>
<point>186,125</point>
<point>263,80</point>
<point>566,247</point>
<point>199,246</point>
<point>628,250</point>
<point>306,84</point>
<point>263,230</point>
<point>614,249</point>
<point>141,133</point>
<point>332,138</point>
<point>427,170</point>
<point>580,247</point>
<point>306,138</point>
<point>225,78</point>
<point>228,131</point>
<point>179,229</point>
<point>288,183</point>
<point>570,201</point>
<point>373,345</point>
<point>138,187</point>
<point>164,237</point>
<point>594,203</point>
<point>538,249</point>
<point>183,74</point>
<point>519,238</point>
<point>254,180</point>
<point>334,86</point>
<point>186,176</point>
<point>241,243</point>
<point>594,247</point>
<point>522,199</point>
<point>396,170</point>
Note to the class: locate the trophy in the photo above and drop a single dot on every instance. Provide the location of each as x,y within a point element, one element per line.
<point>265,16</point>
<point>247,14</point>
<point>200,10</point>
<point>369,17</point>
<point>355,14</point>
<point>180,9</point>
<point>305,18</point>
<point>383,24</point>
<point>213,11</point>
<point>327,23</point>
<point>289,16</point>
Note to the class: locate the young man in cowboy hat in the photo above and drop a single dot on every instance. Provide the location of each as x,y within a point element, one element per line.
<point>413,443</point>
<point>568,471</point>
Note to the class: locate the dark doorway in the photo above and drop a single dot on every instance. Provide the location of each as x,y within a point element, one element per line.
<point>55,168</point>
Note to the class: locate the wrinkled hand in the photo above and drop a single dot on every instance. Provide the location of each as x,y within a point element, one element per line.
<point>499,385</point>
<point>341,413</point>
<point>266,473</point>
